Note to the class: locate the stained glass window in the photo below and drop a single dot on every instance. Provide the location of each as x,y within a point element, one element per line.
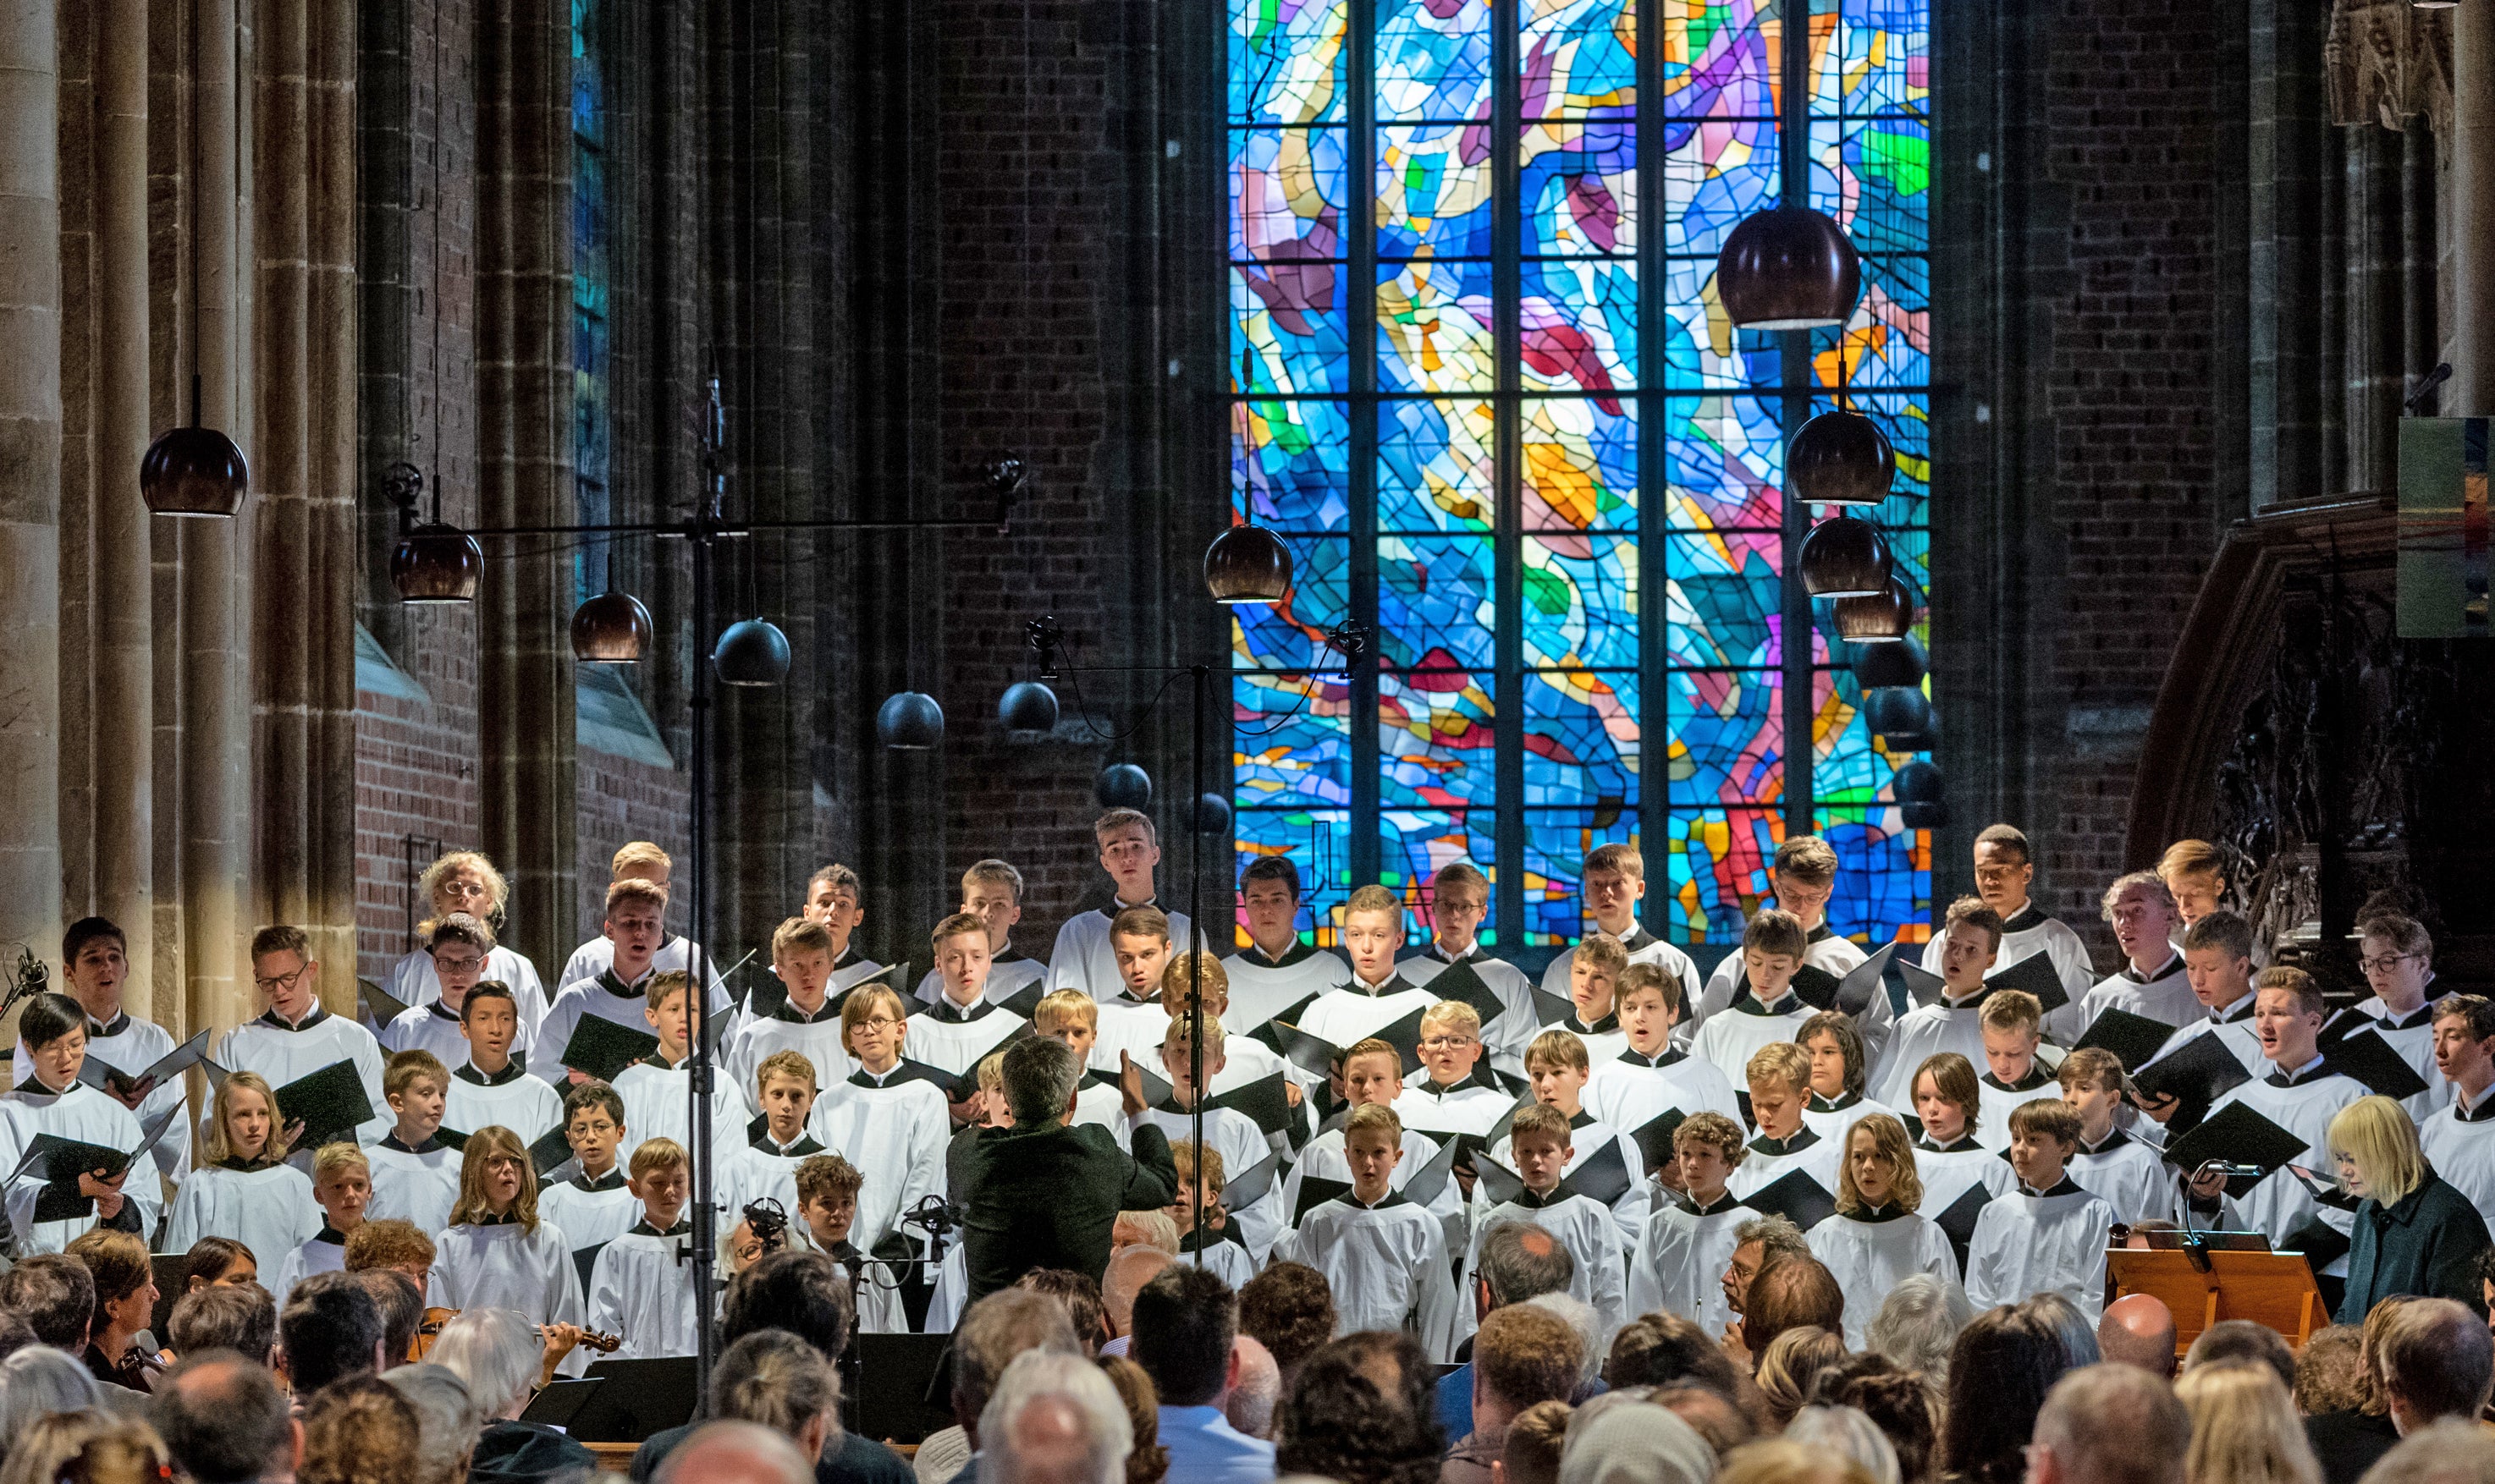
<point>1482,383</point>
<point>592,355</point>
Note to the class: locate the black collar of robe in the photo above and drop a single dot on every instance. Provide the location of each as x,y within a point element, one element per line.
<point>613,1180</point>
<point>1964,1143</point>
<point>903,1071</point>
<point>2233,1014</point>
<point>607,982</point>
<point>96,1032</point>
<point>1873,1215</point>
<point>805,1144</point>
<point>1582,1118</point>
<point>391,1140</point>
<point>1724,1203</point>
<point>659,1059</point>
<point>1389,1202</point>
<point>509,1217</point>
<point>276,1021</point>
<point>1394,984</point>
<point>2174,961</point>
<point>2114,1139</point>
<point>1672,1057</point>
<point>2037,1076</point>
<point>442,1012</point>
<point>2026,920</point>
<point>788,1013</point>
<point>1109,913</point>
<point>2483,1112</point>
<point>1602,1026</point>
<point>2313,1071</point>
<point>642,1227</point>
<point>518,1069</point>
<point>240,1165</point>
<point>1298,953</point>
<point>944,1010</point>
<point>1783,1004</point>
<point>1529,1201</point>
<point>1822,934</point>
<point>1801,1139</point>
<point>2423,1016</point>
<point>2067,1187</point>
<point>330,1234</point>
<point>1480,1077</point>
<point>1820,1104</point>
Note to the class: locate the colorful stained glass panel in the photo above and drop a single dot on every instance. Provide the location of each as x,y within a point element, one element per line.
<point>1577,56</point>
<point>1715,171</point>
<point>1287,61</point>
<point>1434,327</point>
<point>1432,60</point>
<point>1318,841</point>
<point>1286,189</point>
<point>1579,465</point>
<point>1719,59</point>
<point>1292,462</point>
<point>1286,330</point>
<point>1433,191</point>
<point>1727,731</point>
<point>1434,465</point>
<point>1289,635</point>
<point>1436,602</point>
<point>1577,328</point>
<point>1581,737</point>
<point>1716,869</point>
<point>1578,180</point>
<point>1581,602</point>
<point>1291,740</point>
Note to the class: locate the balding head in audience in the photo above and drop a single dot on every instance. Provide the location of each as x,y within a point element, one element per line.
<point>1789,1294</point>
<point>2137,1329</point>
<point>1128,1273</point>
<point>2432,1359</point>
<point>1249,1406</point>
<point>2111,1424</point>
<point>1520,1260</point>
<point>1055,1420</point>
<point>735,1453</point>
<point>225,1420</point>
<point>996,1330</point>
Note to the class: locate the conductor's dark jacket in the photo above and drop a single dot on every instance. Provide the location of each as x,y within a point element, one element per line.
<point>1048,1197</point>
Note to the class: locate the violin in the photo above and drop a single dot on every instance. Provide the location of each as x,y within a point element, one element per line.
<point>429,1330</point>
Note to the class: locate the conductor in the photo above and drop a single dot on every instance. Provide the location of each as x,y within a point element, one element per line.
<point>1044,1194</point>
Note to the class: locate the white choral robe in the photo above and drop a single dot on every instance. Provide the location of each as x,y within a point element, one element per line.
<point>1386,1266</point>
<point>1869,1252</point>
<point>324,1253</point>
<point>1263,988</point>
<point>2459,1142</point>
<point>2130,1174</point>
<point>597,956</point>
<point>1009,974</point>
<point>1828,953</point>
<point>2026,1243</point>
<point>756,1038</point>
<point>1136,1027</point>
<point>641,1290</point>
<point>1949,1173</point>
<point>1923,1033</point>
<point>1643,946</point>
<point>512,1098</point>
<point>435,1028</point>
<point>1772,1159</point>
<point>1356,1011</point>
<point>1223,1257</point>
<point>1678,1266</point>
<point>607,999</point>
<point>1506,1035</point>
<point>87,1116</point>
<point>1473,1105</point>
<point>2280,1205</point>
<point>412,983</point>
<point>1084,959</point>
<point>2233,1025</point>
<point>1242,1145</point>
<point>2165,996</point>
<point>412,1183</point>
<point>269,1210</point>
<point>1582,1226</point>
<point>763,1170</point>
<point>955,1043</point>
<point>2412,1037</point>
<point>131,1045</point>
<point>1324,1160</point>
<point>894,1129</point>
<point>1603,1039</point>
<point>281,1053</point>
<point>658,1103</point>
<point>1587,1135</point>
<point>1630,1090</point>
<point>2027,932</point>
<point>1998,1099</point>
<point>1098,1101</point>
<point>507,1266</point>
<point>1729,1041</point>
<point>594,1212</point>
<point>1834,1117</point>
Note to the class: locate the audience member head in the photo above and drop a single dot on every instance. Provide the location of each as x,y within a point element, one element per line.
<point>2447,1452</point>
<point>242,1319</point>
<point>391,1243</point>
<point>1791,1362</point>
<point>775,1380</point>
<point>802,1293</point>
<point>1523,1355</point>
<point>1663,1347</point>
<point>1755,1244</point>
<point>2431,1358</point>
<point>1634,1443</point>
<point>1842,1430</point>
<point>2330,1373</point>
<point>1361,1411</point>
<point>1716,1418</point>
<point>1149,1462</point>
<point>447,1421</point>
<point>86,1447</point>
<point>402,1309</point>
<point>330,1328</point>
<point>223,1419</point>
<point>1144,1228</point>
<point>1128,1273</point>
<point>1776,1461</point>
<point>15,1334</point>
<point>38,1382</point>
<point>2242,1342</point>
<point>2079,1337</point>
<point>1054,1419</point>
<point>125,1283</point>
<point>734,1453</point>
<point>997,1329</point>
<point>2138,1330</point>
<point>2244,1428</point>
<point>496,1352</point>
<point>1183,1322</point>
<point>2111,1424</point>
<point>1520,1260</point>
<point>1789,1294</point>
<point>1534,1437</point>
<point>55,1295</point>
<point>1252,1398</point>
<point>359,1431</point>
<point>1289,1309</point>
<point>1081,1298</point>
<point>1907,1408</point>
<point>1579,1316</point>
<point>1918,1324</point>
<point>2003,1364</point>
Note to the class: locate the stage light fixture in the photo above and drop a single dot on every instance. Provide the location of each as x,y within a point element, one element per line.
<point>612,628</point>
<point>1122,786</point>
<point>751,651</point>
<point>1885,617</point>
<point>1027,706</point>
<point>1840,458</point>
<point>909,722</point>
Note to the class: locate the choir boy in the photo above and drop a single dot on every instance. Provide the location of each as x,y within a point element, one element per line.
<point>1248,1060</point>
<point>1275,970</point>
<point>641,1287</point>
<point>1129,852</point>
<point>464,882</point>
<point>992,892</point>
<point>1458,902</point>
<point>1689,1238</point>
<point>498,1251</point>
<point>964,1024</point>
<point>244,1190</point>
<point>635,927</point>
<point>1557,1063</point>
<point>1072,1016</point>
<point>766,1167</point>
<point>2048,1235</point>
<point>1372,1072</point>
<point>835,902</point>
<point>1953,1164</point>
<point>493,1084</point>
<point>2218,960</point>
<point>1543,1146</point>
<point>889,1116</point>
<point>1879,1236</point>
<point>1231,1132</point>
<point>1834,1045</point>
<point>827,1202</point>
<point>2129,1172</point>
<point>2300,1094</point>
<point>415,1175</point>
<point>1225,1251</point>
<point>2004,869</point>
<point>52,1035</point>
<point>594,1207</point>
<point>296,1037</point>
<point>1134,1018</point>
<point>1377,996</point>
<point>1970,944</point>
<point>1654,1076</point>
<point>1452,1092</point>
<point>1803,877</point>
<point>643,862</point>
<point>1384,1259</point>
<point>1778,1074</point>
<point>457,948</point>
<point>1611,881</point>
<point>2013,1025</point>
<point>95,960</point>
<point>2152,982</point>
<point>2399,958</point>
<point>657,1089</point>
<point>1773,947</point>
<point>1594,968</point>
<point>342,1186</point>
<point>2459,1139</point>
<point>2195,873</point>
<point>807,1022</point>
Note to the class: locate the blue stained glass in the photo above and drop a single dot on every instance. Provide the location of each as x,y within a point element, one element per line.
<point>1578,56</point>
<point>1556,842</point>
<point>1727,729</point>
<point>1718,60</point>
<point>1701,349</point>
<point>1433,191</point>
<point>1432,59</point>
<point>1578,180</point>
<point>1887,342</point>
<point>1716,872</point>
<point>1579,465</point>
<point>1292,741</point>
<point>1581,737</point>
<point>1436,740</point>
<point>1579,328</point>
<point>1434,465</point>
<point>1292,459</point>
<point>1286,189</point>
<point>1287,60</point>
<point>1884,878</point>
<point>1723,464</point>
<point>1413,843</point>
<point>1879,62</point>
<point>1715,171</point>
<point>1289,635</point>
<point>1318,842</point>
<point>1434,602</point>
<point>1581,602</point>
<point>1434,327</point>
<point>1286,330</point>
<point>1873,176</point>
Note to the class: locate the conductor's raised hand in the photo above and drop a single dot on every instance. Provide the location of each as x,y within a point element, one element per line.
<point>1131,1084</point>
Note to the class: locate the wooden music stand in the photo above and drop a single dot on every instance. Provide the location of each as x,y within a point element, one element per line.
<point>2267,1287</point>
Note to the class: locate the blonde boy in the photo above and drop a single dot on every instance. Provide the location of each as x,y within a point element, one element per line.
<point>641,1287</point>
<point>657,1090</point>
<point>1543,1146</point>
<point>1372,934</point>
<point>1372,1072</point>
<point>2195,873</point>
<point>1970,944</point>
<point>1228,1131</point>
<point>1690,1239</point>
<point>766,1169</point>
<point>1612,882</point>
<point>1458,904</point>
<point>1129,852</point>
<point>889,1116</point>
<point>2046,1236</point>
<point>1594,969</point>
<point>962,1025</point>
<point>636,947</point>
<point>1778,1074</point>
<point>639,861</point>
<point>342,1185</point>
<point>1650,1077</point>
<point>1774,950</point>
<point>2151,982</point>
<point>414,1173</point>
<point>2013,1026</point>
<point>1074,1018</point>
<point>1803,877</point>
<point>1452,1092</point>
<point>1383,1257</point>
<point>807,1021</point>
<point>2129,1173</point>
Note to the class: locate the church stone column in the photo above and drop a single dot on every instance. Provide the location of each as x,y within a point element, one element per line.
<point>30,475</point>
<point>2473,210</point>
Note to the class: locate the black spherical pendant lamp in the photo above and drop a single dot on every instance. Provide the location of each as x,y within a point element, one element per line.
<point>1788,268</point>
<point>1027,706</point>
<point>751,651</point>
<point>1212,814</point>
<point>436,563</point>
<point>909,722</point>
<point>1885,617</point>
<point>1248,564</point>
<point>194,472</point>
<point>612,628</point>
<point>1880,665</point>
<point>1122,786</point>
<point>1897,711</point>
<point>1840,458</point>
<point>1844,557</point>
<point>1917,788</point>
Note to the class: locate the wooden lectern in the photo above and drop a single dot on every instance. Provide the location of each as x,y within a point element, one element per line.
<point>2201,1288</point>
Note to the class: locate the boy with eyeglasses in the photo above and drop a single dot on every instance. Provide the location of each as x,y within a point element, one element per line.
<point>1458,903</point>
<point>95,960</point>
<point>460,947</point>
<point>2399,958</point>
<point>296,1037</point>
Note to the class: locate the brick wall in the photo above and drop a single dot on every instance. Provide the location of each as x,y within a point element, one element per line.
<point>623,800</point>
<point>416,775</point>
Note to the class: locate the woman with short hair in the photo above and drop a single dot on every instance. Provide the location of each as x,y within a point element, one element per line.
<point>2244,1429</point>
<point>2415,1233</point>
